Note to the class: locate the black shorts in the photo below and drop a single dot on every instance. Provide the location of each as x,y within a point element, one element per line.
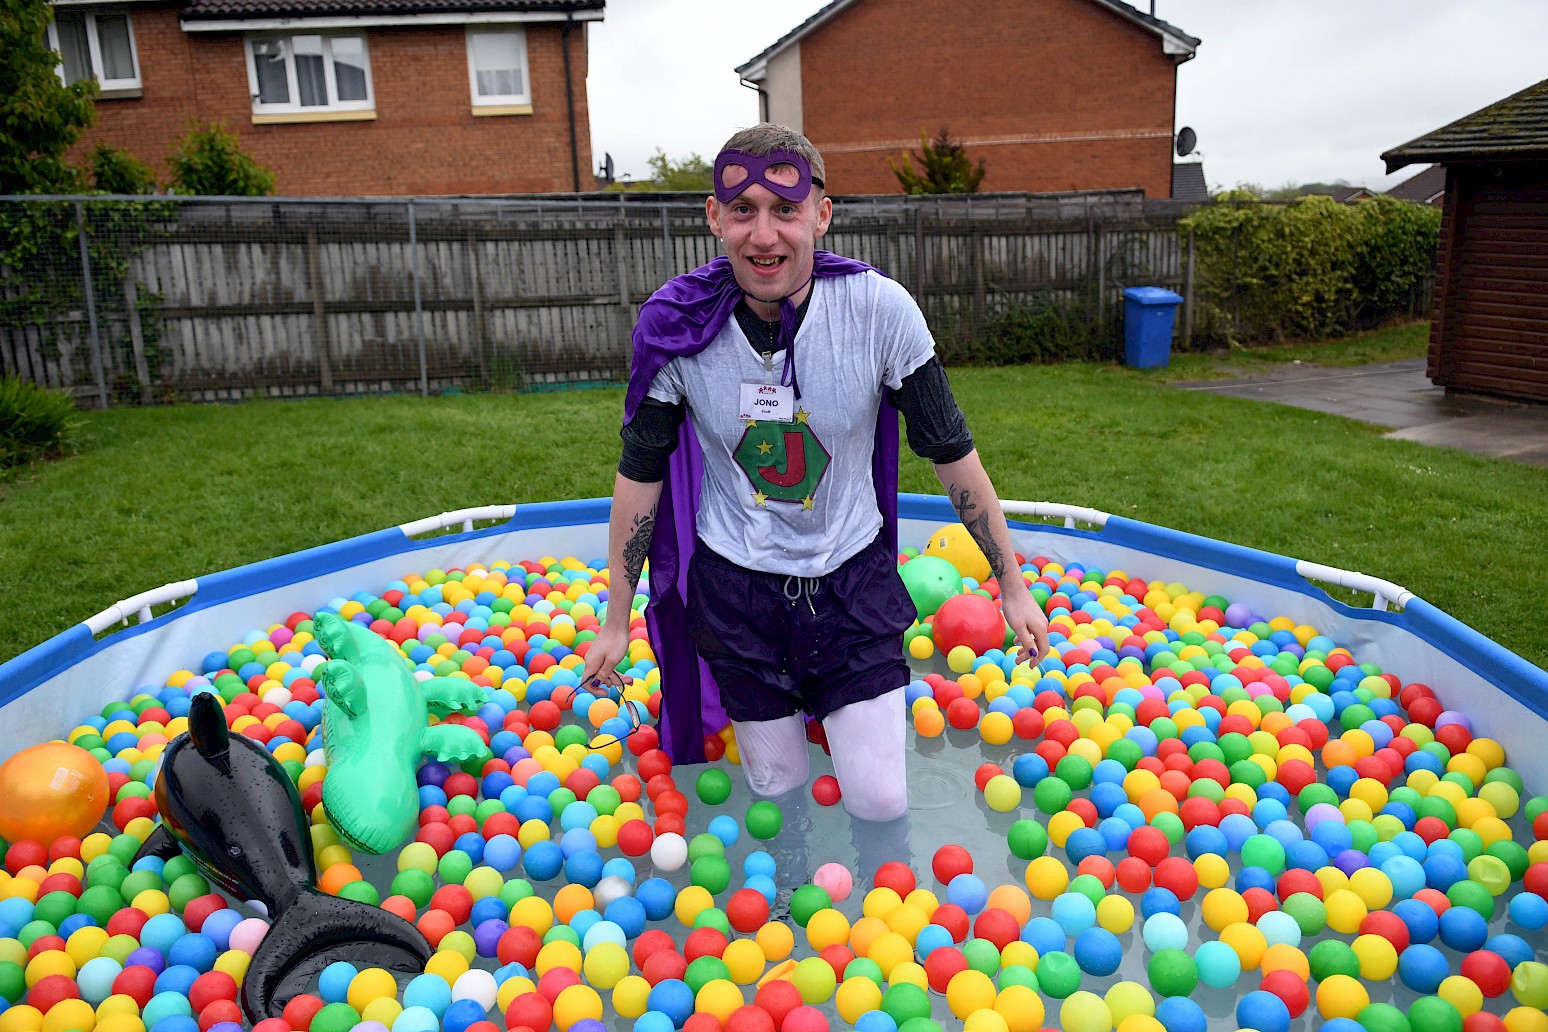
<point>780,645</point>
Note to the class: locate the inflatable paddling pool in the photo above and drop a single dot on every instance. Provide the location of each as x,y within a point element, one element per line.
<point>1038,880</point>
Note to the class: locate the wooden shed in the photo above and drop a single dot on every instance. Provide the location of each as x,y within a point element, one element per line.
<point>1489,327</point>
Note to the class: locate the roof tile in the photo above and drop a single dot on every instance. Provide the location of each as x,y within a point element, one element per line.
<point>1516,127</point>
<point>224,10</point>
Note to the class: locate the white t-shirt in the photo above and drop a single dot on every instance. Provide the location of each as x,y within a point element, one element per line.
<point>797,498</point>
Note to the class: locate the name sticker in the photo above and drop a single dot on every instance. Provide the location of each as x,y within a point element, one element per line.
<point>767,402</point>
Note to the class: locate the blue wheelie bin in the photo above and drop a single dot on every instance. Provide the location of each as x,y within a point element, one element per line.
<point>1147,326</point>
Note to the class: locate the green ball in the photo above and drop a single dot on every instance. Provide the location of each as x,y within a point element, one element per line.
<point>335,1017</point>
<point>1307,911</point>
<point>177,867</point>
<point>1052,795</point>
<point>1074,771</point>
<point>705,969</point>
<point>864,967</point>
<point>1470,894</point>
<point>704,844</point>
<point>806,901</point>
<point>415,884</point>
<point>905,1001</point>
<point>714,917</point>
<point>100,902</point>
<point>562,933</point>
<point>714,786</point>
<point>1090,886</point>
<point>1383,1017</point>
<point>454,867</point>
<point>764,820</point>
<point>1264,851</point>
<point>1018,974</point>
<point>13,982</point>
<point>34,930</point>
<point>982,955</point>
<point>186,889</point>
<point>711,873</point>
<point>930,580</point>
<point>1534,807</point>
<point>138,882</point>
<point>1433,1014</point>
<point>119,947</point>
<point>1058,975</point>
<point>921,1025</point>
<point>1332,957</point>
<point>1173,973</point>
<point>568,735</point>
<point>1234,747</point>
<point>125,847</point>
<point>1126,752</point>
<point>604,799</point>
<point>1354,716</point>
<point>54,907</point>
<point>461,806</point>
<point>1028,839</point>
<point>1170,825</point>
<point>1514,856</point>
<point>361,892</point>
<point>1245,772</point>
<point>560,798</point>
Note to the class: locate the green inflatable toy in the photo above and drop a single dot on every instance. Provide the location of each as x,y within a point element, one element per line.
<point>930,580</point>
<point>375,735</point>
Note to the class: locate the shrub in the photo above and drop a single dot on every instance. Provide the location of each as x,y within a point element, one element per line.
<point>1310,269</point>
<point>35,422</point>
<point>115,171</point>
<point>945,164</point>
<point>210,162</point>
<point>1044,328</point>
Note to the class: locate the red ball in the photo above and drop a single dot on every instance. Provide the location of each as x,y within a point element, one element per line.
<point>273,1025</point>
<point>1198,810</point>
<point>210,987</point>
<point>643,739</point>
<point>1284,984</point>
<point>300,1011</point>
<point>1387,925</point>
<point>952,918</point>
<point>810,1019</point>
<point>1027,723</point>
<point>1133,874</point>
<point>64,881</point>
<point>704,1021</point>
<point>1149,843</point>
<point>51,989</point>
<point>1483,1021</point>
<point>137,981</point>
<point>704,942</point>
<point>635,838</point>
<point>837,957</point>
<point>662,965</point>
<point>455,900</point>
<point>670,823</point>
<point>438,837</point>
<point>200,908</point>
<point>942,965</point>
<point>897,876</point>
<point>127,921</point>
<point>1259,902</point>
<point>998,926</point>
<point>747,910</point>
<point>1298,880</point>
<point>748,1018</point>
<point>44,943</point>
<point>1100,868</point>
<point>1536,877</point>
<point>826,791</point>
<point>654,762</point>
<point>984,773</point>
<point>218,1011</point>
<point>714,747</point>
<point>777,999</point>
<point>435,925</point>
<point>530,1010</point>
<point>962,714</point>
<point>1177,876</point>
<point>1488,970</point>
<point>950,861</point>
<point>555,981</point>
<point>651,941</point>
<point>520,945</point>
<point>969,619</point>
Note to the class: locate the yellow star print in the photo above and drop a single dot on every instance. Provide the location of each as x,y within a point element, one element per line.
<point>760,499</point>
<point>752,424</point>
<point>764,447</point>
<point>808,501</point>
<point>802,415</point>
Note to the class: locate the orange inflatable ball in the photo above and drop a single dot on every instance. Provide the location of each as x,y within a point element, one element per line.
<point>51,790</point>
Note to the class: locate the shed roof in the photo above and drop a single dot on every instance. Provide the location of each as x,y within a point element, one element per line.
<point>1509,129</point>
<point>1174,40</point>
<point>239,10</point>
<point>1421,186</point>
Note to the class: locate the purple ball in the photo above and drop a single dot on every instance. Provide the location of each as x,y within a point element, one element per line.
<point>1449,717</point>
<point>588,1025</point>
<point>224,1026</point>
<point>1351,860</point>
<point>486,937</point>
<point>1238,614</point>
<point>147,956</point>
<point>434,772</point>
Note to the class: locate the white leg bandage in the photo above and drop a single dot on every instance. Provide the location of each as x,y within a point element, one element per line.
<point>866,739</point>
<point>774,754</point>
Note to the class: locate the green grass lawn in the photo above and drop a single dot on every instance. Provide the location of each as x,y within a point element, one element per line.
<point>1388,344</point>
<point>164,494</point>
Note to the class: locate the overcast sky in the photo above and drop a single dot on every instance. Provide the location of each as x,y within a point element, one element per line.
<point>1280,90</point>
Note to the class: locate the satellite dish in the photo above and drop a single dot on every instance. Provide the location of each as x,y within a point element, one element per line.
<point>607,166</point>
<point>1187,139</point>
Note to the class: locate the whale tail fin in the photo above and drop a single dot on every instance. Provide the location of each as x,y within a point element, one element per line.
<point>313,932</point>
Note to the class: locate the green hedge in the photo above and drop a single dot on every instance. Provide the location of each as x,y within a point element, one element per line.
<point>35,423</point>
<point>1310,269</point>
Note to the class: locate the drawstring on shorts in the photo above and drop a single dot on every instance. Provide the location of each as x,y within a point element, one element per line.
<point>797,588</point>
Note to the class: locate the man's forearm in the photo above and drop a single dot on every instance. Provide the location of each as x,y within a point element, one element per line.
<point>972,496</point>
<point>630,530</point>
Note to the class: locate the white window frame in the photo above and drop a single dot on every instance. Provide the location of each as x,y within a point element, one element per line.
<point>294,106</point>
<point>94,46</point>
<point>503,100</point>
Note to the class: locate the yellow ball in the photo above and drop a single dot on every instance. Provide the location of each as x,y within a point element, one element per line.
<point>1213,871</point>
<point>955,544</point>
<point>910,973</point>
<point>1345,911</point>
<point>985,1020</point>
<point>120,1023</point>
<point>1002,792</point>
<point>880,902</point>
<point>905,919</point>
<point>718,997</point>
<point>70,1016</point>
<point>856,996</point>
<point>815,979</point>
<point>606,964</point>
<point>745,960</point>
<point>921,647</point>
<point>369,985</point>
<point>1517,1019</point>
<point>1046,877</point>
<point>49,962</point>
<point>449,964</point>
<point>21,1018</point>
<point>969,991</point>
<point>1372,886</point>
<point>1140,1023</point>
<point>888,950</point>
<point>1247,941</point>
<point>1340,996</point>
<point>1021,1007</point>
<point>630,996</point>
<point>558,954</point>
<point>1085,1012</point>
<point>1462,993</point>
<point>827,927</point>
<point>776,940</point>
<point>1377,956</point>
<point>1223,907</point>
<point>960,659</point>
<point>1115,914</point>
<point>533,912</point>
<point>1126,999</point>
<point>576,1003</point>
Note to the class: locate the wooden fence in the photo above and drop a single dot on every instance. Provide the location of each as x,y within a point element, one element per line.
<point>207,299</point>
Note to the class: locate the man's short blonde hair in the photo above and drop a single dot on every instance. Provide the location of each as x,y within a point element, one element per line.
<point>765,138</point>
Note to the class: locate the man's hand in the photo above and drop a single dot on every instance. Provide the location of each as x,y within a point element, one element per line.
<point>607,650</point>
<point>1024,617</point>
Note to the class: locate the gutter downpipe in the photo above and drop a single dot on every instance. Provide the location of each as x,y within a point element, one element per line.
<point>569,100</point>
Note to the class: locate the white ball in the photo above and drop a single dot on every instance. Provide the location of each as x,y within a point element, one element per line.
<point>476,984</point>
<point>608,889</point>
<point>669,851</point>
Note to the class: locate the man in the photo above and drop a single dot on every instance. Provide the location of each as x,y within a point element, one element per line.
<point>783,488</point>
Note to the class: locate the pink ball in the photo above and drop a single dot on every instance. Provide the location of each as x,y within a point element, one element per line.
<point>836,879</point>
<point>248,934</point>
<point>805,1019</point>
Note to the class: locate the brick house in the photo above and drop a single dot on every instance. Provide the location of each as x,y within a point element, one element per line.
<point>1053,94</point>
<point>347,97</point>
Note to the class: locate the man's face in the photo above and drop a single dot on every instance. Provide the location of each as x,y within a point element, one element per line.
<point>770,240</point>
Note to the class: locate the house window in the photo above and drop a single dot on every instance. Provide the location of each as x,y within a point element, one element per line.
<point>95,45</point>
<point>309,74</point>
<point>497,66</point>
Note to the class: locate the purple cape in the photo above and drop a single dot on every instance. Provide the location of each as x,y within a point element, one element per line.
<point>681,319</point>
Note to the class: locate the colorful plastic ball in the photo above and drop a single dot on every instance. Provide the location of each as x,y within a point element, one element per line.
<point>836,879</point>
<point>1528,910</point>
<point>825,790</point>
<point>51,791</point>
<point>1098,951</point>
<point>1422,968</point>
<point>1262,1011</point>
<point>1085,1012</point>
<point>1172,972</point>
<point>1179,1014</point>
<point>969,620</point>
<point>713,786</point>
<point>1433,1014</point>
<point>1340,996</point>
<point>1218,964</point>
<point>1058,974</point>
<point>1164,932</point>
<point>764,820</point>
<point>930,581</point>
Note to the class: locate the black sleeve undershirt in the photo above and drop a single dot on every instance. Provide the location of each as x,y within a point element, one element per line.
<point>937,430</point>
<point>649,440</point>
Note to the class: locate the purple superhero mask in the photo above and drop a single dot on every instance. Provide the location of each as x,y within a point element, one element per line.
<point>754,168</point>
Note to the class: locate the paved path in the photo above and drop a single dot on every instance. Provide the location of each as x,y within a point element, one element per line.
<point>1399,395</point>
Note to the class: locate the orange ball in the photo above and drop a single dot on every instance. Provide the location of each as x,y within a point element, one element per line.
<point>51,791</point>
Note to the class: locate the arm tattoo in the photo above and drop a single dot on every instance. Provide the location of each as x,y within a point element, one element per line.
<point>637,548</point>
<point>976,519</point>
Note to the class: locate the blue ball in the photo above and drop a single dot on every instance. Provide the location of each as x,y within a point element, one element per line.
<point>195,951</point>
<point>166,1007</point>
<point>762,884</point>
<point>174,1023</point>
<point>1442,871</point>
<point>503,853</point>
<point>1463,929</point>
<point>1044,935</point>
<point>1422,920</point>
<point>583,868</point>
<point>1513,948</point>
<point>1264,1011</point>
<point>218,927</point>
<point>430,992</point>
<point>471,843</point>
<point>543,860</point>
<point>1529,910</point>
<point>1405,873</point>
<point>1180,1014</point>
<point>1098,951</point>
<point>1029,769</point>
<point>95,979</point>
<point>1422,968</point>
<point>725,828</point>
<point>333,983</point>
<point>161,931</point>
<point>1083,842</point>
<point>969,892</point>
<point>931,938</point>
<point>875,1021</point>
<point>1254,878</point>
<point>1157,900</point>
<point>1219,966</point>
<point>1206,838</point>
<point>657,896</point>
<point>653,1021</point>
<point>1164,932</point>
<point>627,913</point>
<point>1073,912</point>
<point>461,1014</point>
<point>672,997</point>
<point>759,862</point>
